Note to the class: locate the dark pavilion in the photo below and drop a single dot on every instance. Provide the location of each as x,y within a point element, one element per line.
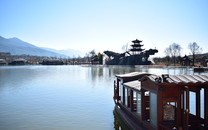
<point>134,56</point>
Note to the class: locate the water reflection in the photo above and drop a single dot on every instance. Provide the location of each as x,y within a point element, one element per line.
<point>118,123</point>
<point>63,97</point>
<point>108,72</point>
<point>98,74</point>
<point>55,97</point>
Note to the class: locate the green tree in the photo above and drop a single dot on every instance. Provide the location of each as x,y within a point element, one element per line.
<point>100,58</point>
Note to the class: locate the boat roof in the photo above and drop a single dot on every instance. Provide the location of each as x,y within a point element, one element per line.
<point>132,74</point>
<point>136,84</point>
<point>135,79</point>
<point>189,80</point>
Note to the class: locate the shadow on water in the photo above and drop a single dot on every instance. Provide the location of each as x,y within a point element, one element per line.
<point>119,123</point>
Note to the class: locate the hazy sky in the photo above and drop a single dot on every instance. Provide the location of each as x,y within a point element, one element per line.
<point>106,24</point>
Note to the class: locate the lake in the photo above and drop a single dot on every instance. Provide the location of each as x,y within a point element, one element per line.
<point>62,97</point>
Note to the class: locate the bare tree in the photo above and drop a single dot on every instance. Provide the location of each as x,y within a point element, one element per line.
<point>168,53</point>
<point>175,50</point>
<point>92,53</point>
<point>195,49</point>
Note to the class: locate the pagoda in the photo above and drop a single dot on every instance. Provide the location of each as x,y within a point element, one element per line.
<point>134,56</point>
<point>136,47</point>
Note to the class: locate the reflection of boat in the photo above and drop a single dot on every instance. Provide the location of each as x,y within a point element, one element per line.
<point>152,102</point>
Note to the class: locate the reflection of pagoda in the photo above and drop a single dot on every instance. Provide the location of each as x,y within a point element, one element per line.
<point>135,56</point>
<point>136,47</point>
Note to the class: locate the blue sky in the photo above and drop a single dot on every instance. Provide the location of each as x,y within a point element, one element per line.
<point>106,24</point>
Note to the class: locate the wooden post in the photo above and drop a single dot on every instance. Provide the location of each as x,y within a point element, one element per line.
<point>117,90</point>
<point>142,104</point>
<point>187,109</point>
<point>178,109</point>
<point>206,107</point>
<point>160,110</point>
<point>123,95</point>
<point>115,94</point>
<point>198,103</point>
<point>129,97</point>
<point>131,100</point>
<point>182,108</point>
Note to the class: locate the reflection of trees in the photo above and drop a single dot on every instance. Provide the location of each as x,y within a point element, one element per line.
<point>179,70</point>
<point>127,69</point>
<point>96,72</point>
<point>99,73</point>
<point>107,73</point>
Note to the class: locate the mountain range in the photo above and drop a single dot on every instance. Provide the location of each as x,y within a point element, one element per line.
<point>68,52</point>
<point>16,46</point>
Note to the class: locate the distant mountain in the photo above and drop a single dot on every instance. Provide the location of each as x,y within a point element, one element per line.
<point>16,46</point>
<point>68,52</point>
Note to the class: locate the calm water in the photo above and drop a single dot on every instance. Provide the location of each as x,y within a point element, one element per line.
<point>62,97</point>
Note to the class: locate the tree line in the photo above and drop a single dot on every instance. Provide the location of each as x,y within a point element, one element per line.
<point>173,53</point>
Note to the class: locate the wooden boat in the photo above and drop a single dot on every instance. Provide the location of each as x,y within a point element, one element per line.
<point>152,102</point>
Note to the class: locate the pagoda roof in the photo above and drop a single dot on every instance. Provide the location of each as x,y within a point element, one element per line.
<point>136,49</point>
<point>136,41</point>
<point>137,45</point>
